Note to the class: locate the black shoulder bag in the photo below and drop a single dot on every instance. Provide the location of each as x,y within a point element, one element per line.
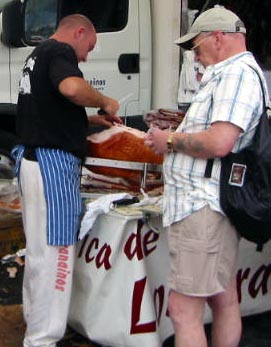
<point>245,183</point>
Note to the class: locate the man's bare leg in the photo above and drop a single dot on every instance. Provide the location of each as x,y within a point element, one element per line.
<point>187,316</point>
<point>227,325</point>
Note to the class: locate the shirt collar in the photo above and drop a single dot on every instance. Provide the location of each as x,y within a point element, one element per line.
<point>212,70</point>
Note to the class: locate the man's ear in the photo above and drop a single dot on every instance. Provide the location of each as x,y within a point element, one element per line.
<point>219,37</point>
<point>79,32</point>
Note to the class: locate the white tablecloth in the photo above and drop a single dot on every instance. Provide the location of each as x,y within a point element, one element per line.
<point>120,292</point>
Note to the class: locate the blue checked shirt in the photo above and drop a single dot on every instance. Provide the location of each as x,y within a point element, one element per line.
<point>61,178</point>
<point>229,91</point>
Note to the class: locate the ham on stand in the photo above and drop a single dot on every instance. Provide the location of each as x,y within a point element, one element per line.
<point>125,146</point>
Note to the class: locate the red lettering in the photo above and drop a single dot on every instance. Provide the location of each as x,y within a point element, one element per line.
<point>133,247</point>
<point>240,277</point>
<point>94,243</point>
<point>62,268</point>
<point>82,246</point>
<point>138,293</point>
<point>136,247</point>
<point>62,265</point>
<point>150,238</point>
<point>59,288</point>
<point>61,275</point>
<point>63,250</point>
<point>262,274</point>
<point>103,257</point>
<point>60,282</point>
<point>258,282</point>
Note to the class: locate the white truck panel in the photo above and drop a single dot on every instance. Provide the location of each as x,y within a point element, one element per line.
<point>166,55</point>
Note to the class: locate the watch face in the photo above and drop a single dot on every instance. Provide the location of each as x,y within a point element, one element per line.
<point>170,144</point>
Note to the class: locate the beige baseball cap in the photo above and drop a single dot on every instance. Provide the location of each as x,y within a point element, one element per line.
<point>217,18</point>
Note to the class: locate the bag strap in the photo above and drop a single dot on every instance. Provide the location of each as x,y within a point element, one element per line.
<point>262,86</point>
<point>210,162</point>
<point>209,168</point>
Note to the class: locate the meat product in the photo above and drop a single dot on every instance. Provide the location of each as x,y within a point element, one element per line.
<point>164,119</point>
<point>91,180</point>
<point>121,143</point>
<point>12,206</point>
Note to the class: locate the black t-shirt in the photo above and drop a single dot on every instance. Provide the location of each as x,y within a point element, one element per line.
<point>45,118</point>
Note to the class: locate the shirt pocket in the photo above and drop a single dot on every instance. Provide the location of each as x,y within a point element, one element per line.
<point>200,109</point>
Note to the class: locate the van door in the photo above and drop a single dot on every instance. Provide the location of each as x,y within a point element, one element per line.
<point>5,77</point>
<point>113,65</point>
<point>116,64</point>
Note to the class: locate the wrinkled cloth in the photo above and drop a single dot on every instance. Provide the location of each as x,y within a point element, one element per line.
<point>149,200</point>
<point>93,209</point>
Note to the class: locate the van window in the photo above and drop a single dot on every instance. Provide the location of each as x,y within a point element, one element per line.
<point>3,3</point>
<point>41,17</point>
<point>106,15</point>
<point>40,20</point>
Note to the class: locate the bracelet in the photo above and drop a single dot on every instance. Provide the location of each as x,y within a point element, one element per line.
<point>170,143</point>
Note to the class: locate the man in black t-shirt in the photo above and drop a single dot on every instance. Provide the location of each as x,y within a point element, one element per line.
<point>52,92</point>
<point>52,126</point>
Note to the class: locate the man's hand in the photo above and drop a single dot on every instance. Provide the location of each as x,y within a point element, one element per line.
<point>104,120</point>
<point>215,142</point>
<point>110,118</point>
<point>156,139</point>
<point>111,106</point>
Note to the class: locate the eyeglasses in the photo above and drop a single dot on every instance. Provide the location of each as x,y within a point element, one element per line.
<point>200,42</point>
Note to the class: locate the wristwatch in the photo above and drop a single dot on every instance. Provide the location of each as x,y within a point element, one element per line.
<point>170,143</point>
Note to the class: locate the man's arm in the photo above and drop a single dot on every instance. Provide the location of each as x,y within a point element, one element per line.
<point>217,141</point>
<point>80,92</point>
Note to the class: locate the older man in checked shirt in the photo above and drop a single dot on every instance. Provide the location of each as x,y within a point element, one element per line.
<point>222,117</point>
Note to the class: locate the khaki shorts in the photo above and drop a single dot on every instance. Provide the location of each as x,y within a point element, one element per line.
<point>203,253</point>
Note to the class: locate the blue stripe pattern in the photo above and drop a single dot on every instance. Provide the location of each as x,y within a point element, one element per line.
<point>61,177</point>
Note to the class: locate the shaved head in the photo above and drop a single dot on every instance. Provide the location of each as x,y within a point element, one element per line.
<point>79,32</point>
<point>74,20</point>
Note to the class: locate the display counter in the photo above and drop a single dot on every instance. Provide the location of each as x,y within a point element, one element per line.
<point>120,291</point>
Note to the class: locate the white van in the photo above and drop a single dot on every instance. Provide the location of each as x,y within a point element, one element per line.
<point>120,65</point>
<point>135,59</point>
